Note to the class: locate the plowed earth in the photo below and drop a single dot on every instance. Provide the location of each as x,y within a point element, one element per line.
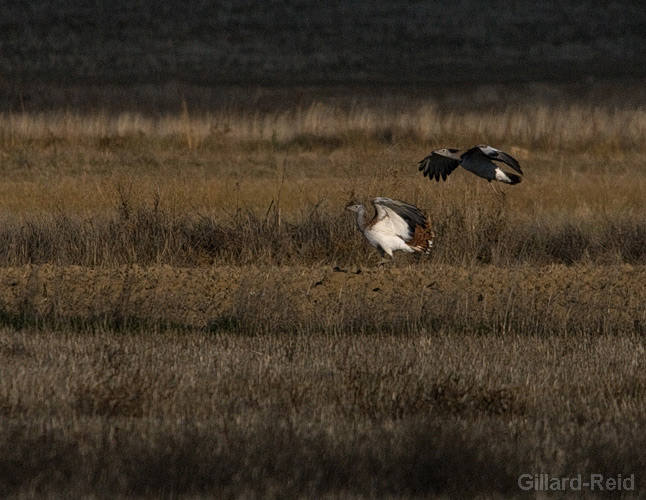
<point>530,298</point>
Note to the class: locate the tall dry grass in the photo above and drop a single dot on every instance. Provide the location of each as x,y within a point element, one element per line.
<point>232,186</point>
<point>528,125</point>
<point>483,232</point>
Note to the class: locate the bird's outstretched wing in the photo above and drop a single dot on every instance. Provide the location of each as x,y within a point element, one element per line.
<point>398,217</point>
<point>476,161</point>
<point>497,155</point>
<point>435,165</point>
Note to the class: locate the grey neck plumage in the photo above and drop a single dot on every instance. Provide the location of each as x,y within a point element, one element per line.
<point>360,218</point>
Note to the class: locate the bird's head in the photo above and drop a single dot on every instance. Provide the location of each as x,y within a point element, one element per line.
<point>354,208</point>
<point>448,152</point>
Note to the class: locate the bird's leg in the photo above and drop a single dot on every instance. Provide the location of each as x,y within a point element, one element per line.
<point>503,195</point>
<point>499,193</point>
<point>383,260</point>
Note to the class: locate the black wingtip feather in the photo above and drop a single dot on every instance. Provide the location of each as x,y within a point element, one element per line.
<point>515,179</point>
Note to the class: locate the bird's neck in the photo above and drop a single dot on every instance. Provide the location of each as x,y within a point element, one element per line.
<point>360,218</point>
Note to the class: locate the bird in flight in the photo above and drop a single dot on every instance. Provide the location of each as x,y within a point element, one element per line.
<point>395,226</point>
<point>478,160</point>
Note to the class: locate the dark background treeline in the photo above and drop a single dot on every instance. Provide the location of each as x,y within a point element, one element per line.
<point>300,42</point>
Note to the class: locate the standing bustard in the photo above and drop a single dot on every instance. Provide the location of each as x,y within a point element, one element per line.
<point>477,160</point>
<point>395,226</point>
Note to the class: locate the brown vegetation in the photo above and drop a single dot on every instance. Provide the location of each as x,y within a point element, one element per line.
<point>186,310</point>
<point>144,412</point>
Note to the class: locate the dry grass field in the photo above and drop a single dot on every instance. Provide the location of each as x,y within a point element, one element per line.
<point>186,310</point>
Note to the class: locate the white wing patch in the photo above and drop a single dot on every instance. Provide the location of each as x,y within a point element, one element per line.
<point>390,222</point>
<point>502,176</point>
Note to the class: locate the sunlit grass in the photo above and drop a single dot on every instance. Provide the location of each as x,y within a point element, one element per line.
<point>525,125</point>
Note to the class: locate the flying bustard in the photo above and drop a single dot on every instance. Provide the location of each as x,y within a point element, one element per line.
<point>395,226</point>
<point>478,160</point>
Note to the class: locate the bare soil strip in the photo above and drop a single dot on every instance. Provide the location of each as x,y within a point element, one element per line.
<point>558,299</point>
